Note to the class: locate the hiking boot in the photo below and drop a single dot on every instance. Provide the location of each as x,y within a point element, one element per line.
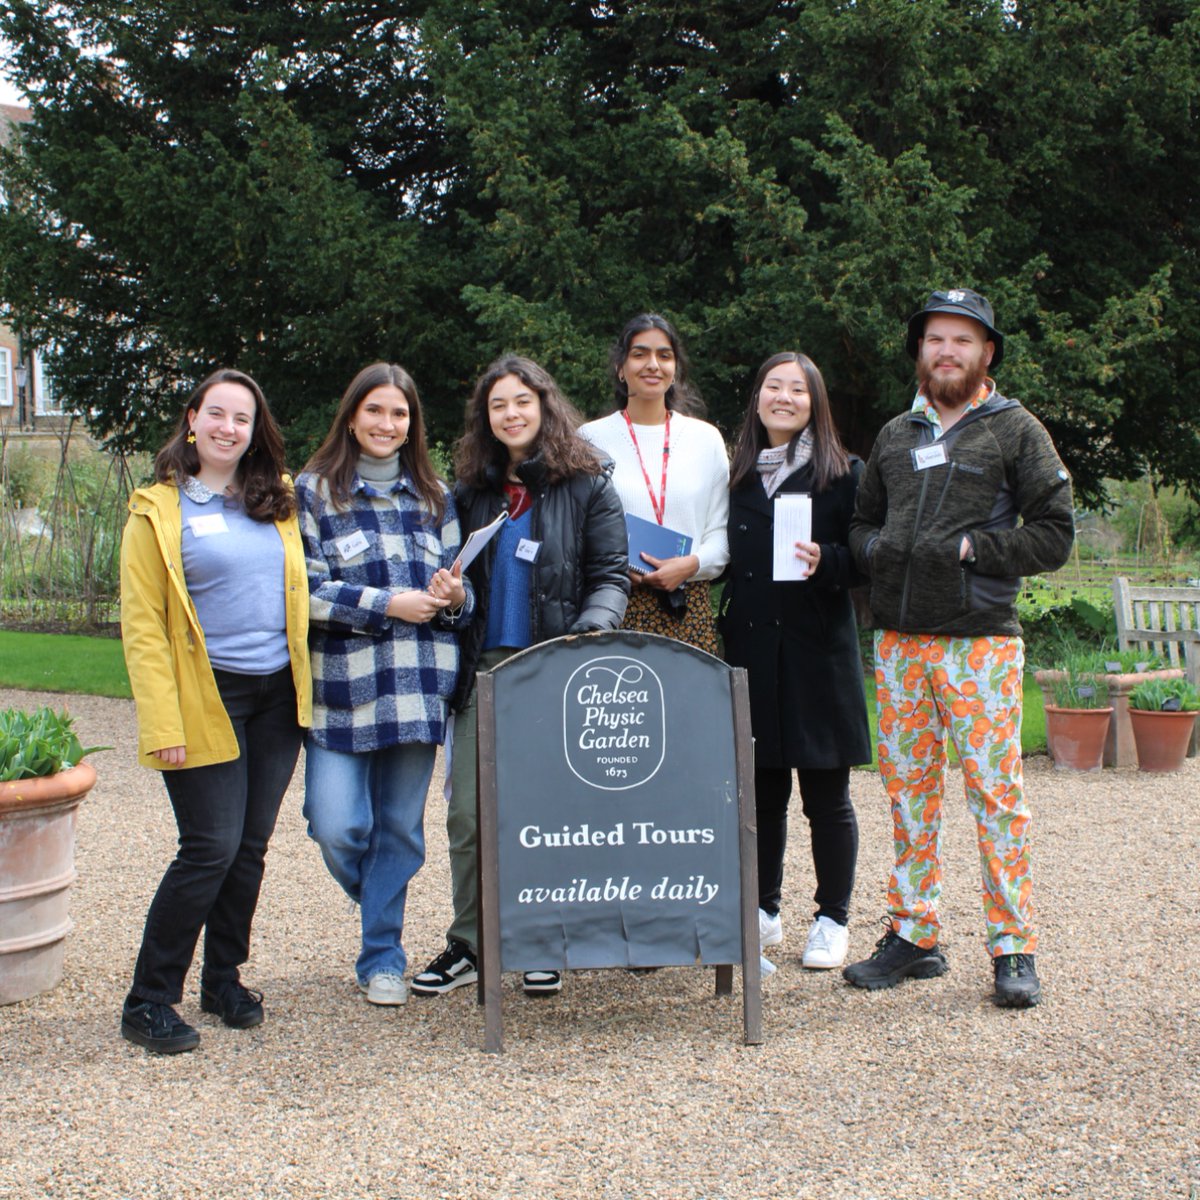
<point>542,983</point>
<point>1017,983</point>
<point>239,1007</point>
<point>895,959</point>
<point>770,928</point>
<point>455,967</point>
<point>158,1027</point>
<point>828,943</point>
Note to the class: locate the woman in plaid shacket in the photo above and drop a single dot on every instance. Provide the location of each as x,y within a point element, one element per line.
<point>380,535</point>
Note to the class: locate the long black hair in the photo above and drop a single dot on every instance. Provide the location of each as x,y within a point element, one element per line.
<point>682,395</point>
<point>830,460</point>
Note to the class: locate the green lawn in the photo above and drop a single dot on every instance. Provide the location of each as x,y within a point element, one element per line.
<point>53,662</point>
<point>63,662</point>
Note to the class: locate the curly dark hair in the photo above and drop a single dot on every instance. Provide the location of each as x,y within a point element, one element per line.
<point>682,395</point>
<point>266,494</point>
<point>336,459</point>
<point>829,459</point>
<point>479,454</point>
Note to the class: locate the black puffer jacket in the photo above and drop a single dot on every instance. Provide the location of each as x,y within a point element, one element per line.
<point>580,581</point>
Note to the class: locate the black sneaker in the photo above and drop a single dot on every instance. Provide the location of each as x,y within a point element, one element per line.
<point>542,983</point>
<point>895,959</point>
<point>158,1027</point>
<point>1017,983</point>
<point>239,1007</point>
<point>455,967</point>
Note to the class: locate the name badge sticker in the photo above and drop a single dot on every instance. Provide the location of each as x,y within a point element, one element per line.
<point>925,457</point>
<point>352,544</point>
<point>207,524</point>
<point>528,551</point>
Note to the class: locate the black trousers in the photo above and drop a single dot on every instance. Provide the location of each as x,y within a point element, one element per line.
<point>226,815</point>
<point>825,796</point>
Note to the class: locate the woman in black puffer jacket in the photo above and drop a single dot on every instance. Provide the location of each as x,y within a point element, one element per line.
<point>558,565</point>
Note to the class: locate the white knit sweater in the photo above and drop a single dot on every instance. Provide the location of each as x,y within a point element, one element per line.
<point>697,479</point>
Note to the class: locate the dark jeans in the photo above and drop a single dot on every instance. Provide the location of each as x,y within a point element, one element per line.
<point>825,795</point>
<point>226,815</point>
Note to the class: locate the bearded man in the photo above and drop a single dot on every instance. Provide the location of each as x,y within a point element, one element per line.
<point>963,495</point>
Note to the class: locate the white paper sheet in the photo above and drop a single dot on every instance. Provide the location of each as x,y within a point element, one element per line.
<point>477,540</point>
<point>793,523</point>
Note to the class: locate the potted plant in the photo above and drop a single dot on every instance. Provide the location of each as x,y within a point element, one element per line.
<point>1120,671</point>
<point>1163,714</point>
<point>1077,720</point>
<point>42,781</point>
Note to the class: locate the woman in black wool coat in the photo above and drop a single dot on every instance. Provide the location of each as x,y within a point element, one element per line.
<point>798,642</point>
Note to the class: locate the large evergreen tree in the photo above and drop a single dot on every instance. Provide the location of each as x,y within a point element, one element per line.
<point>298,188</point>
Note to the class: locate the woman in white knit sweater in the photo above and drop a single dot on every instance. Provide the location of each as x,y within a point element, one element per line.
<point>671,469</point>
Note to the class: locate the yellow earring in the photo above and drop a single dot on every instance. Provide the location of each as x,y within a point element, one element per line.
<point>191,439</point>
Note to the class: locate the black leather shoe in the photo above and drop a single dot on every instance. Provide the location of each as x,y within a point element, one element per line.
<point>158,1027</point>
<point>239,1007</point>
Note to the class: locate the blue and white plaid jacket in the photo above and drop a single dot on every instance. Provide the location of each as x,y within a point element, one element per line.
<point>377,681</point>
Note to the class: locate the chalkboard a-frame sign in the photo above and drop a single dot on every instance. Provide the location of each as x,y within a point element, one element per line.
<point>616,815</point>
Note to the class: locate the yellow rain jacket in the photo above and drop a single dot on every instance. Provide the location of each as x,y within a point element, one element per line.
<point>173,686</point>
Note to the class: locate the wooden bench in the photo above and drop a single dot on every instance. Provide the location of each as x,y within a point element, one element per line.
<point>1163,621</point>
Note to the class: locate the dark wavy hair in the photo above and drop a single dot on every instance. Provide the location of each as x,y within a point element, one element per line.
<point>830,460</point>
<point>479,454</point>
<point>266,495</point>
<point>336,459</point>
<point>682,395</point>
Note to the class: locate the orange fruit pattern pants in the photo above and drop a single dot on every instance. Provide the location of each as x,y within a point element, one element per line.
<point>928,687</point>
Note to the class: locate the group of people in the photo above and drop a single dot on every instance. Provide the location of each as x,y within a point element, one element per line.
<point>259,614</point>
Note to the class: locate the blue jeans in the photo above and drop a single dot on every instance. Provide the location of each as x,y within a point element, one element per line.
<point>226,814</point>
<point>367,813</point>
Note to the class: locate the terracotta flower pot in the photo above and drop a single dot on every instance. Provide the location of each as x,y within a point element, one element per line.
<point>1161,738</point>
<point>1118,749</point>
<point>1075,737</point>
<point>37,868</point>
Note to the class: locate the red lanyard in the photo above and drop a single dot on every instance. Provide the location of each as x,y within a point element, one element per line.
<point>659,505</point>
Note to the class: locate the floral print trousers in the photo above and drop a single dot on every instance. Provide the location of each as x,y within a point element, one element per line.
<point>928,686</point>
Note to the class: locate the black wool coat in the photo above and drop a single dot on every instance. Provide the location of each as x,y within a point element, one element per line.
<point>798,641</point>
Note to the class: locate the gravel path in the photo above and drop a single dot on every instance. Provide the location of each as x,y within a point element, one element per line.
<point>633,1086</point>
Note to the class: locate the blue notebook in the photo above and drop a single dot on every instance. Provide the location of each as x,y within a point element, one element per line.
<point>659,540</point>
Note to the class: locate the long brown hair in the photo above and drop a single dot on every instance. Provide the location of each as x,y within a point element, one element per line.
<point>682,396</point>
<point>336,459</point>
<point>265,495</point>
<point>479,455</point>
<point>830,460</point>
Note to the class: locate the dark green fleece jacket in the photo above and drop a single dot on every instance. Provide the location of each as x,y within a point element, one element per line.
<point>999,481</point>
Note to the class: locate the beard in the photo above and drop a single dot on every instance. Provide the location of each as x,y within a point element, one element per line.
<point>953,392</point>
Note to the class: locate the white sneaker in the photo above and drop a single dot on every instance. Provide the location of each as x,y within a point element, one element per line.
<point>766,966</point>
<point>770,928</point>
<point>827,945</point>
<point>386,988</point>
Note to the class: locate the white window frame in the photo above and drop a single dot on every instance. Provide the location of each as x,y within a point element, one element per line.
<point>45,402</point>
<point>8,385</point>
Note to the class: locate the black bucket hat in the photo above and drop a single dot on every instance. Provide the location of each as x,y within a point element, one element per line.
<point>961,302</point>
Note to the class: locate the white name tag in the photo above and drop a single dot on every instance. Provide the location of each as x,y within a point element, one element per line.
<point>925,457</point>
<point>528,551</point>
<point>208,524</point>
<point>352,544</point>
